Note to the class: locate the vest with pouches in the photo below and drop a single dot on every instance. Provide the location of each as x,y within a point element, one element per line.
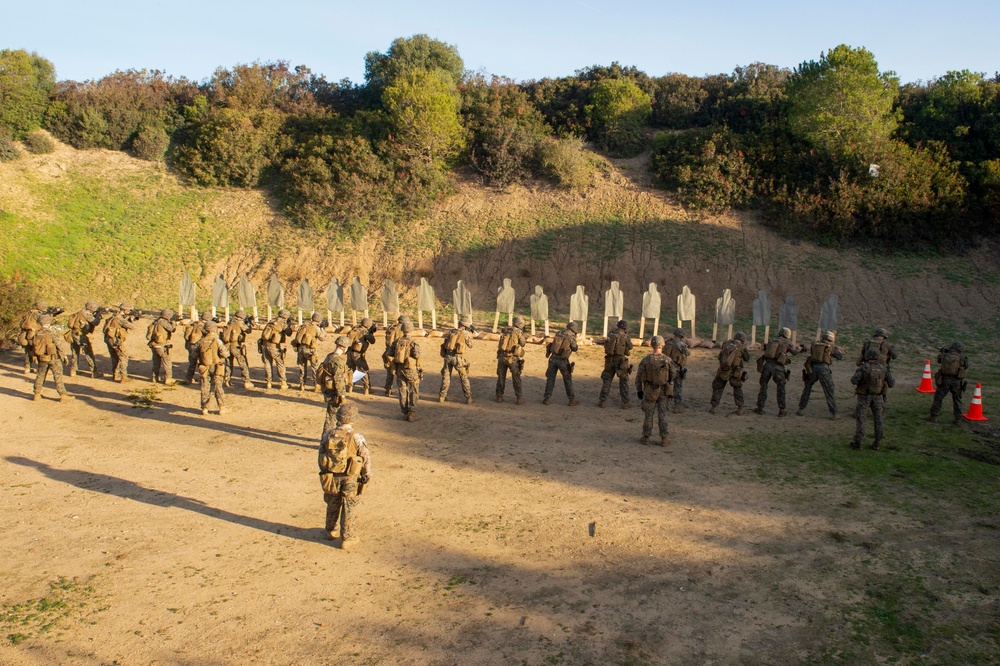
<point>402,355</point>
<point>194,333</point>
<point>357,338</point>
<point>113,329</point>
<point>233,334</point>
<point>508,344</point>
<point>306,336</point>
<point>272,333</point>
<point>208,352</point>
<point>616,344</point>
<point>454,342</point>
<point>561,345</point>
<point>43,346</point>
<point>77,322</point>
<point>156,334</point>
<point>882,346</point>
<point>951,365</point>
<point>821,353</point>
<point>874,379</point>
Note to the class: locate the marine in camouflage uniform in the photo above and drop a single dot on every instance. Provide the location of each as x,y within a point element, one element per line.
<point>49,349</point>
<point>29,325</point>
<point>653,387</point>
<point>510,356</point>
<point>776,357</point>
<point>272,353</point>
<point>950,378</point>
<point>361,338</point>
<point>886,353</point>
<point>393,333</point>
<point>235,337</point>
<point>115,333</point>
<point>192,336</point>
<point>678,351</point>
<point>212,355</point>
<point>870,380</point>
<point>817,369</point>
<point>405,356</point>
<point>616,363</point>
<point>732,356</point>
<point>306,339</point>
<point>344,470</point>
<point>454,359</point>
<point>81,326</point>
<point>559,351</point>
<point>335,378</point>
<point>158,334</point>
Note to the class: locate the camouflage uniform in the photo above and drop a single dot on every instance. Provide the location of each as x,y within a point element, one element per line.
<point>678,351</point>
<point>360,339</point>
<point>950,378</point>
<point>886,353</point>
<point>654,397</point>
<point>870,378</point>
<point>334,376</point>
<point>305,349</point>
<point>616,363</point>
<point>731,371</point>
<point>81,325</point>
<point>192,336</point>
<point>344,463</point>
<point>212,355</point>
<point>49,349</point>
<point>158,334</point>
<point>115,333</point>
<point>393,333</point>
<point>559,363</point>
<point>272,352</point>
<point>817,369</point>
<point>408,372</point>
<point>776,357</point>
<point>29,325</point>
<point>235,337</point>
<point>455,360</point>
<point>511,359</point>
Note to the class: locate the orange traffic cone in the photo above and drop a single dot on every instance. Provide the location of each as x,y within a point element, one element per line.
<point>926,383</point>
<point>976,408</point>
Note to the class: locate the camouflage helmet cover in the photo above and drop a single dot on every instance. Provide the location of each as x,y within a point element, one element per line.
<point>316,317</point>
<point>881,333</point>
<point>206,316</point>
<point>406,326</point>
<point>828,336</point>
<point>571,326</point>
<point>166,313</point>
<point>656,342</point>
<point>958,346</point>
<point>403,318</point>
<point>90,306</point>
<point>125,306</point>
<point>343,341</point>
<point>366,322</point>
<point>284,313</point>
<point>679,332</point>
<point>240,314</point>
<point>41,305</point>
<point>785,332</point>
<point>211,326</point>
<point>622,324</point>
<point>518,321</point>
<point>347,413</point>
<point>465,320</point>
<point>740,336</point>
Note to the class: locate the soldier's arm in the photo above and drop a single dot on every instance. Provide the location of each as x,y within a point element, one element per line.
<point>628,345</point>
<point>169,325</point>
<point>320,333</point>
<point>837,354</point>
<point>745,354</point>
<point>889,379</point>
<point>572,343</point>
<point>127,325</point>
<point>858,374</point>
<point>639,372</point>
<point>468,339</point>
<point>366,464</point>
<point>369,337</point>
<point>414,349</point>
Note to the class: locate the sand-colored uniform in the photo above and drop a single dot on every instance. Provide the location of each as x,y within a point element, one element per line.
<point>115,333</point>
<point>777,355</point>
<point>559,351</point>
<point>235,337</point>
<point>393,333</point>
<point>453,347</point>
<point>80,327</point>
<point>361,339</point>
<point>817,369</point>
<point>678,351</point>
<point>158,334</point>
<point>616,363</point>
<point>405,356</point>
<point>333,377</point>
<point>49,349</point>
<point>272,350</point>
<point>193,334</point>
<point>732,356</point>
<point>212,355</point>
<point>306,338</point>
<point>29,326</point>
<point>654,383</point>
<point>510,356</point>
<point>343,459</point>
<point>950,379</point>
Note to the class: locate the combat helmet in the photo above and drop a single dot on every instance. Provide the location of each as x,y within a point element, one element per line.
<point>166,313</point>
<point>41,305</point>
<point>402,318</point>
<point>367,322</point>
<point>45,320</point>
<point>211,326</point>
<point>316,317</point>
<point>406,326</point>
<point>343,341</point>
<point>785,332</point>
<point>622,324</point>
<point>571,326</point>
<point>678,332</point>
<point>90,306</point>
<point>465,320</point>
<point>518,322</point>
<point>881,333</point>
<point>656,342</point>
<point>126,306</point>
<point>240,314</point>
<point>740,336</point>
<point>284,313</point>
<point>206,316</point>
<point>828,336</point>
<point>958,346</point>
<point>347,413</point>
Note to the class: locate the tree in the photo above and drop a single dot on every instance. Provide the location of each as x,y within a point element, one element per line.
<point>619,111</point>
<point>26,79</point>
<point>843,105</point>
<point>421,107</point>
<point>412,53</point>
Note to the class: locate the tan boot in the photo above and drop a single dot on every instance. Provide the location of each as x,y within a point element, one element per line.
<point>66,397</point>
<point>348,544</point>
<point>573,402</point>
<point>546,400</point>
<point>711,410</point>
<point>664,441</point>
<point>37,397</point>
<point>499,398</point>
<point>520,400</point>
<point>644,439</point>
<point>600,403</point>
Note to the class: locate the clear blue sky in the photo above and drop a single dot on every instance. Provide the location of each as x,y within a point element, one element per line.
<point>521,39</point>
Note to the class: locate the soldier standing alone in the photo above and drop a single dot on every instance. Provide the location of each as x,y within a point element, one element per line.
<point>950,378</point>
<point>772,366</point>
<point>616,350</point>
<point>817,369</point>
<point>870,379</point>
<point>678,351</point>
<point>559,350</point>
<point>212,355</point>
<point>654,384</point>
<point>158,334</point>
<point>344,470</point>
<point>453,347</point>
<point>49,349</point>
<point>510,356</point>
<point>405,357</point>
<point>732,356</point>
<point>360,339</point>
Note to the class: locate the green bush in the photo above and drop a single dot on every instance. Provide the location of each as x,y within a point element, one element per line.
<point>16,297</point>
<point>229,147</point>
<point>39,143</point>
<point>150,142</point>
<point>565,162</point>
<point>705,168</point>
<point>25,82</point>
<point>8,151</point>
<point>619,110</point>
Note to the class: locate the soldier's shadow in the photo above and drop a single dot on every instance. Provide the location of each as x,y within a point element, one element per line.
<point>113,485</point>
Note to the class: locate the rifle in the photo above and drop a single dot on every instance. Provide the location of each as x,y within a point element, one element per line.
<point>134,315</point>
<point>54,311</point>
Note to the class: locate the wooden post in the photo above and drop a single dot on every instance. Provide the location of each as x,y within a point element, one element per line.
<point>767,333</point>
<point>546,328</point>
<point>385,319</point>
<point>819,333</point>
<point>496,321</point>
<point>642,328</point>
<point>730,332</point>
<point>227,314</point>
<point>715,331</point>
<point>656,326</point>
<point>269,312</point>
<point>583,331</point>
<point>420,319</point>
<point>434,319</point>
<point>753,335</point>
<point>795,334</point>
<point>300,316</point>
<point>455,319</point>
<point>692,327</point>
<point>329,318</point>
<point>605,334</point>
<point>354,316</point>
<point>342,319</point>
<point>194,313</point>
<point>255,313</point>
<point>213,312</point>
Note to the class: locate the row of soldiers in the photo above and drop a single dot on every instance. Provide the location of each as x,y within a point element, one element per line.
<point>215,350</point>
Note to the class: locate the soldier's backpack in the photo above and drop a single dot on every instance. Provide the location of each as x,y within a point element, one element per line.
<point>882,346</point>
<point>271,332</point>
<point>508,344</point>
<point>616,344</point>
<point>113,329</point>
<point>402,354</point>
<point>208,351</point>
<point>340,454</point>
<point>454,342</point>
<point>194,332</point>
<point>393,333</point>
<point>306,335</point>
<point>675,351</point>
<point>156,334</point>
<point>561,345</point>
<point>951,364</point>
<point>77,322</point>
<point>731,355</point>
<point>772,349</point>
<point>821,352</point>
<point>659,371</point>
<point>232,333</point>
<point>876,379</point>
<point>357,338</point>
<point>43,346</point>
<point>29,324</point>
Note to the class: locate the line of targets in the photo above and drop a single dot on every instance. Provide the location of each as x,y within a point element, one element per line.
<point>355,300</point>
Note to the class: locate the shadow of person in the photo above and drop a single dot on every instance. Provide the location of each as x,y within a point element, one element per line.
<point>112,485</point>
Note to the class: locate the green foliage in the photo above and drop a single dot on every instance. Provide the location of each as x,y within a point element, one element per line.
<point>230,147</point>
<point>705,168</point>
<point>150,141</point>
<point>421,108</point>
<point>565,162</point>
<point>26,79</point>
<point>843,105</point>
<point>677,101</point>
<point>16,296</point>
<point>504,130</point>
<point>39,143</point>
<point>418,52</point>
<point>619,111</point>
<point>562,103</point>
<point>8,151</point>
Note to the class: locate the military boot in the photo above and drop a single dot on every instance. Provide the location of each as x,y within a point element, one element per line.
<point>37,397</point>
<point>283,386</point>
<point>678,409</point>
<point>834,416</point>
<point>499,398</point>
<point>66,397</point>
<point>739,411</point>
<point>72,372</point>
<point>855,444</point>
<point>600,403</point>
<point>441,398</point>
<point>247,384</point>
<point>468,400</point>
<point>412,417</point>
<point>546,400</point>
<point>875,444</point>
<point>267,386</point>
<point>711,410</point>
<point>782,412</point>
<point>520,400</point>
<point>933,418</point>
<point>348,544</point>
<point>758,410</point>
<point>573,402</point>
<point>664,441</point>
<point>800,413</point>
<point>644,439</point>
<point>626,405</point>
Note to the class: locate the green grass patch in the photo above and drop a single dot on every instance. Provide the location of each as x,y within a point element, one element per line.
<point>67,599</point>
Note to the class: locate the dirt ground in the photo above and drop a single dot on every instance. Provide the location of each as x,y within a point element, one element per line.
<point>491,533</point>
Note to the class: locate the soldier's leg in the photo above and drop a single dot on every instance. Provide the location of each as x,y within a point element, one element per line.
<point>74,357</point>
<point>218,379</point>
<point>678,390</point>
<point>647,408</point>
<point>781,381</point>
<point>123,363</point>
<point>501,377</point>
<point>567,374</point>
<point>192,364</point>
<point>279,362</point>
<point>303,362</point>
<point>718,386</point>
<point>388,379</point>
<point>661,414</point>
<point>606,378</point>
<point>765,377</point>
<point>939,392</point>
<point>155,372</point>
<point>737,395</point>
<point>826,381</point>
<point>878,412</point>
<point>206,391</point>
<point>57,376</point>
<point>366,384</point>
<point>333,502</point>
<point>956,399</point>
<point>241,359</point>
<point>463,375</point>
<point>349,494</point>
<point>28,351</point>
<point>550,379</point>
<point>807,388</point>
<point>88,353</point>
<point>403,389</point>
<point>516,366</point>
<point>859,421</point>
<point>445,380</point>
<point>268,368</point>
<point>43,369</point>
<point>352,367</point>
<point>330,422</point>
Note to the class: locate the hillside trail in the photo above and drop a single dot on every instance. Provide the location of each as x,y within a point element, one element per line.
<point>491,533</point>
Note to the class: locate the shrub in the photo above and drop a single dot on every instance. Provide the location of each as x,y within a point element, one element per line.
<point>565,162</point>
<point>705,168</point>
<point>39,143</point>
<point>150,142</point>
<point>25,82</point>
<point>229,147</point>
<point>16,296</point>
<point>619,111</point>
<point>8,151</point>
